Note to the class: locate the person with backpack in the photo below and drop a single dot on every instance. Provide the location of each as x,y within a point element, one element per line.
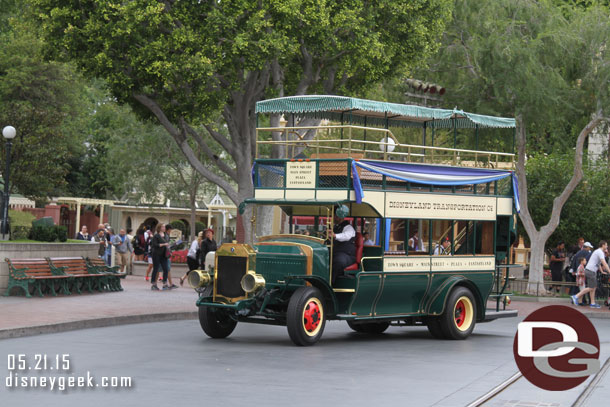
<point>139,243</point>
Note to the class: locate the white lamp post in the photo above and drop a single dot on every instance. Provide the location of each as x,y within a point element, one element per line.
<point>9,134</point>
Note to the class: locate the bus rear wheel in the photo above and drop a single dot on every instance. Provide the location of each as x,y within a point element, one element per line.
<point>459,318</point>
<point>369,327</point>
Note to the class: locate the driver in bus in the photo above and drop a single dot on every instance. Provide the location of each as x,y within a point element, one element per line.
<point>443,248</point>
<point>344,242</point>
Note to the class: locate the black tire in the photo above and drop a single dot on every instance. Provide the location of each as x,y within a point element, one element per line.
<point>459,318</point>
<point>434,326</point>
<point>216,323</point>
<point>306,316</point>
<point>373,328</point>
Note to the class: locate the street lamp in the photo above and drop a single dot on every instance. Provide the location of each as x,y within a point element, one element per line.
<point>9,134</point>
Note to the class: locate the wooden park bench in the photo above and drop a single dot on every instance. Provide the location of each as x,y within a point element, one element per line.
<point>84,278</point>
<point>99,266</point>
<point>38,274</point>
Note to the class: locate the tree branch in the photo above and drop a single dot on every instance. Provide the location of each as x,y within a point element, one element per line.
<point>224,167</point>
<point>181,140</point>
<point>560,200</point>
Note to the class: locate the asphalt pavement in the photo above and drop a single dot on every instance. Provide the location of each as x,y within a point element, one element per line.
<point>173,361</point>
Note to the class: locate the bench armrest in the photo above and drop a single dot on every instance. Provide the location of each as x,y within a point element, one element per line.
<point>18,274</point>
<point>58,271</point>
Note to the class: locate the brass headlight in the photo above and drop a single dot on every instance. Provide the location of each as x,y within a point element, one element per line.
<point>252,282</point>
<point>199,278</point>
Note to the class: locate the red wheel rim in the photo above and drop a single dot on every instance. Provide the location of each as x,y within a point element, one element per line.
<point>460,313</point>
<point>312,316</point>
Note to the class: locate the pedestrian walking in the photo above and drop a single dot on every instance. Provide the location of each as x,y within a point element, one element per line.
<point>585,252</point>
<point>192,257</point>
<point>596,261</point>
<point>123,249</point>
<point>580,275</point>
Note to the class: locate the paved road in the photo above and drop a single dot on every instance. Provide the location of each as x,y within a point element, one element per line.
<point>173,362</point>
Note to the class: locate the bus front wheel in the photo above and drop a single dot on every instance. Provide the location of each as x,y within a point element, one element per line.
<point>305,318</point>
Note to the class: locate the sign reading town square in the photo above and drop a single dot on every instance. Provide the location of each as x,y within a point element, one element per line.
<point>429,206</point>
<point>410,264</point>
<point>301,174</point>
<point>438,263</point>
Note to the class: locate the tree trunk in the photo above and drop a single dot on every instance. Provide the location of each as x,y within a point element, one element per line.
<point>539,236</point>
<point>535,284</point>
<point>193,219</point>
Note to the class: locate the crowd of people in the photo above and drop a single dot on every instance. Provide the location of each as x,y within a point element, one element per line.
<point>151,246</point>
<point>585,267</point>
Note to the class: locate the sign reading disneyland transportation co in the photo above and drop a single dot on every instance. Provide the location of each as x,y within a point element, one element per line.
<point>438,263</point>
<point>301,174</point>
<point>429,206</point>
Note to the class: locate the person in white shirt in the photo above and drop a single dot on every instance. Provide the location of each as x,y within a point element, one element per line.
<point>443,248</point>
<point>596,261</point>
<point>344,243</point>
<point>367,241</point>
<point>192,257</point>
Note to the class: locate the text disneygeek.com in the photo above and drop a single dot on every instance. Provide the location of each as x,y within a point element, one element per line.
<point>28,371</point>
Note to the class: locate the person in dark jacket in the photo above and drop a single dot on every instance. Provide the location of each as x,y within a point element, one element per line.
<point>207,245</point>
<point>160,251</point>
<point>344,243</point>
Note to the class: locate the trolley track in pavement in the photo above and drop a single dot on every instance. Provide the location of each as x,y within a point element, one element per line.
<point>580,401</point>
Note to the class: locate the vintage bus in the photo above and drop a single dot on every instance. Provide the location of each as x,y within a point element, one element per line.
<point>440,220</point>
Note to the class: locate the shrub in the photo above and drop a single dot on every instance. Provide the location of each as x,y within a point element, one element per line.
<point>199,227</point>
<point>61,233</point>
<point>20,224</point>
<point>43,233</point>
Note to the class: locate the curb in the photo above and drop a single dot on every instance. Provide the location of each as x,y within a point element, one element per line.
<point>95,323</point>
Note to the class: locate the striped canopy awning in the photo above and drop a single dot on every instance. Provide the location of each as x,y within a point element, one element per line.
<point>376,113</point>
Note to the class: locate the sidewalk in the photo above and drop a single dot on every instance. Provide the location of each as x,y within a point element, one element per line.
<point>137,303</point>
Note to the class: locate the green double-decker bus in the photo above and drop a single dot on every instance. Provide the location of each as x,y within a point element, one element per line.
<point>434,223</point>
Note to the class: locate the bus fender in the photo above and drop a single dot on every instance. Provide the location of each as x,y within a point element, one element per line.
<point>330,300</point>
<point>437,301</point>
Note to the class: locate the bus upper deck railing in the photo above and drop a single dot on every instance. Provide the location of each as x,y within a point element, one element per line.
<point>325,142</point>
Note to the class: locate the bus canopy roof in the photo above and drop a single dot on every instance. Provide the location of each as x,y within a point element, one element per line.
<point>340,108</point>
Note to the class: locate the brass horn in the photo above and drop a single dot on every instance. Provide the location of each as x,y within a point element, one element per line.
<point>252,282</point>
<point>199,278</point>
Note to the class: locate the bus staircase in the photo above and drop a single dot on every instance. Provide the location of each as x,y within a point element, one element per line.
<point>502,277</point>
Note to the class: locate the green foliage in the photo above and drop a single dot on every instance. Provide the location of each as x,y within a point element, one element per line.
<point>46,233</point>
<point>62,233</point>
<point>510,57</point>
<point>186,63</point>
<point>191,55</point>
<point>43,233</point>
<point>42,101</point>
<point>585,214</point>
<point>46,221</point>
<point>199,227</point>
<point>21,224</point>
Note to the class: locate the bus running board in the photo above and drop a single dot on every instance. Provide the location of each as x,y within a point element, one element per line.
<point>492,315</point>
